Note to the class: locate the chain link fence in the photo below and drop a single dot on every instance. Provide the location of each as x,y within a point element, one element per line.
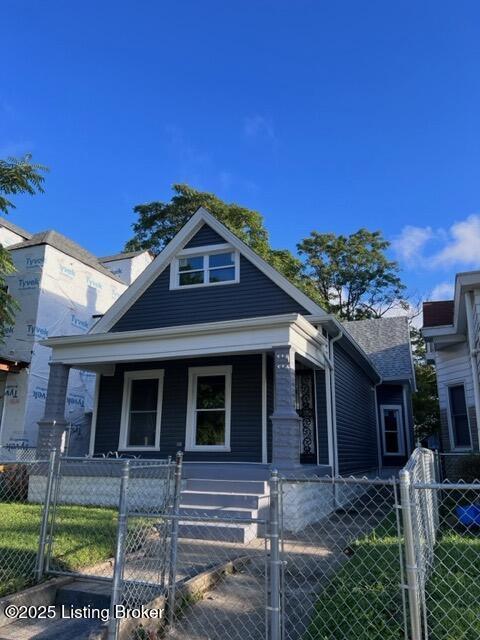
<point>20,524</point>
<point>342,559</point>
<point>297,558</point>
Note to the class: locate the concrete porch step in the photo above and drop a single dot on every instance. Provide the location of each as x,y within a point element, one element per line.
<point>211,512</point>
<point>228,486</point>
<point>217,499</point>
<point>221,532</point>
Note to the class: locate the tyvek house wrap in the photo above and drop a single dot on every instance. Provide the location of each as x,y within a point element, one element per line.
<point>58,295</point>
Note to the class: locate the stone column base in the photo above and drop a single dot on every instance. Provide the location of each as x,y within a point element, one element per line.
<point>50,433</point>
<point>286,441</point>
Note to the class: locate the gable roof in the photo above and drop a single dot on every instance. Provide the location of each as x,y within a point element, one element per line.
<point>161,262</point>
<point>67,246</point>
<point>387,343</point>
<point>15,228</point>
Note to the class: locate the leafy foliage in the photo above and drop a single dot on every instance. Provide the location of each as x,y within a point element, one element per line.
<point>425,400</point>
<point>17,175</point>
<point>351,274</point>
<point>158,222</point>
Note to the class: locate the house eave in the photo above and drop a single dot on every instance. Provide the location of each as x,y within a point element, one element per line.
<point>215,338</point>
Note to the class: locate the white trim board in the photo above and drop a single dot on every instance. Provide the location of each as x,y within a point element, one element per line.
<point>216,338</point>
<point>186,233</point>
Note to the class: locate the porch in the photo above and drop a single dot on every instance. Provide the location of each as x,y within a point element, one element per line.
<point>239,395</point>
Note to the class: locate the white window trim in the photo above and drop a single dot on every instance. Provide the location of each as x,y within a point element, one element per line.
<point>205,251</point>
<point>401,429</point>
<point>451,435</point>
<point>127,388</point>
<point>193,374</point>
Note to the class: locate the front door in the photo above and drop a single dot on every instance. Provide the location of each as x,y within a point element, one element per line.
<point>305,405</point>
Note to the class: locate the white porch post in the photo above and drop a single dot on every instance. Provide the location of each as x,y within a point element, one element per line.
<point>285,419</point>
<point>53,423</point>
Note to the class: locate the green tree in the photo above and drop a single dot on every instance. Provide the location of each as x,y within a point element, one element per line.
<point>426,410</point>
<point>17,176</point>
<point>158,222</point>
<point>352,276</point>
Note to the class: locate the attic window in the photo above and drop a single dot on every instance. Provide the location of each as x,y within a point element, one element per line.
<point>205,266</point>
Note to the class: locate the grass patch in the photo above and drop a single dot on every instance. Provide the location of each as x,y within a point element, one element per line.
<point>84,536</point>
<point>363,600</point>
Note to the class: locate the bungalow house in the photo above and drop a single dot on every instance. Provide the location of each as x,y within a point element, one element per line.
<point>60,287</point>
<point>213,352</point>
<point>451,329</point>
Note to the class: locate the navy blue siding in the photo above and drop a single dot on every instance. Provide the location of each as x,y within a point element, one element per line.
<point>321,413</point>
<point>393,394</point>
<point>355,408</point>
<point>205,236</point>
<point>246,414</point>
<point>255,295</point>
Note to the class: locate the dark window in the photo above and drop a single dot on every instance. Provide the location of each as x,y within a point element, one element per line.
<point>392,426</point>
<point>142,423</point>
<point>210,411</point>
<point>459,416</point>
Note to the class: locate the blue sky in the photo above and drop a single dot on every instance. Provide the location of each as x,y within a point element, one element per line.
<point>320,115</point>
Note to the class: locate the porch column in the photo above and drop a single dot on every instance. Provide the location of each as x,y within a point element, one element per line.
<point>285,420</point>
<point>53,423</point>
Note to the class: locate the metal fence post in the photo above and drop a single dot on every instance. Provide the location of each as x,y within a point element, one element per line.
<point>40,562</point>
<point>120,551</point>
<point>410,557</point>
<point>172,570</point>
<point>275,562</point>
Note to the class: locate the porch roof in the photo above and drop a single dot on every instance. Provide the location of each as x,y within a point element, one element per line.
<point>95,350</point>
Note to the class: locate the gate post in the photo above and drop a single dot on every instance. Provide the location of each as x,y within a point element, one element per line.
<point>42,542</point>
<point>119,551</point>
<point>274,608</point>
<point>410,557</point>
<point>172,570</point>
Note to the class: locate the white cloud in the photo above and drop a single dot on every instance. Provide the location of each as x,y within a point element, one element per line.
<point>443,291</point>
<point>258,126</point>
<point>458,246</point>
<point>463,245</point>
<point>410,243</point>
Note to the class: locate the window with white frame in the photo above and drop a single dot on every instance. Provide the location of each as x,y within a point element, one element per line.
<point>392,429</point>
<point>141,410</point>
<point>209,405</point>
<point>205,267</point>
<point>459,424</point>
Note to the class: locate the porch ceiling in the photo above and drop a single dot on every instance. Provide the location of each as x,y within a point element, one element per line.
<point>214,338</point>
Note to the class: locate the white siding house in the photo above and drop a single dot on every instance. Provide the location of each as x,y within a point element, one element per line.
<point>452,333</point>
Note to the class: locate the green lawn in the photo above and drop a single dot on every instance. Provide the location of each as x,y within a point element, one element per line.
<point>363,600</point>
<point>84,536</point>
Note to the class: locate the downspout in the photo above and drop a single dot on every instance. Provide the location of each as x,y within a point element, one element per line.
<point>473,357</point>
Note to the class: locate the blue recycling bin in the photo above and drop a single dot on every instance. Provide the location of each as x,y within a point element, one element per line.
<point>469,515</point>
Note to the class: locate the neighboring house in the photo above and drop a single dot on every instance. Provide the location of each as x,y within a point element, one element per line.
<point>59,287</point>
<point>451,329</point>
<point>213,352</point>
<point>387,342</point>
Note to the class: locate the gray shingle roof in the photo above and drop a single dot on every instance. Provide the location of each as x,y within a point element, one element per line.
<point>71,248</point>
<point>387,343</point>
<point>15,228</point>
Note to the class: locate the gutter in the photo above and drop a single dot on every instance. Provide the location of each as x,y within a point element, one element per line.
<point>473,356</point>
